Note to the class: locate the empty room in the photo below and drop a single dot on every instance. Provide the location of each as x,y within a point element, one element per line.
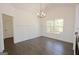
<point>39,29</point>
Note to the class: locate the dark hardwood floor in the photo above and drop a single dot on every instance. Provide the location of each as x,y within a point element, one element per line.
<point>41,46</point>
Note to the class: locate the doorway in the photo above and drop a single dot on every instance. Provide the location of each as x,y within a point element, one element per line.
<point>8,32</point>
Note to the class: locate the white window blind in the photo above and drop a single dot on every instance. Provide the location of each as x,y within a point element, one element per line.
<point>55,26</point>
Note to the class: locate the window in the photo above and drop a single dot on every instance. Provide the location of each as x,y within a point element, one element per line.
<point>55,26</point>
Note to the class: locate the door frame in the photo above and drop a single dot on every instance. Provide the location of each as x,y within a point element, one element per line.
<point>3,31</point>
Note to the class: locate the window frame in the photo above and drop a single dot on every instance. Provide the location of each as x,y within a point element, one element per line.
<point>54,26</point>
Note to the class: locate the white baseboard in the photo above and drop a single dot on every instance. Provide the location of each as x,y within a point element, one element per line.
<point>27,39</point>
<point>58,39</point>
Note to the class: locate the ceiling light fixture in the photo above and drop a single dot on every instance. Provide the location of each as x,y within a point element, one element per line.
<point>42,12</point>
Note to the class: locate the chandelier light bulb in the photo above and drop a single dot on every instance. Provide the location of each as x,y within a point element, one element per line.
<point>41,14</point>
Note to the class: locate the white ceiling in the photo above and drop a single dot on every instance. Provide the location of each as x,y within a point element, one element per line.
<point>26,6</point>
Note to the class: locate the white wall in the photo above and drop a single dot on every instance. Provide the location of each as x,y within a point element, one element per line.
<point>26,25</point>
<point>67,12</point>
<point>1,36</point>
<point>77,18</point>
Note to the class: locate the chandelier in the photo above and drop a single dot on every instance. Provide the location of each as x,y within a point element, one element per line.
<point>41,13</point>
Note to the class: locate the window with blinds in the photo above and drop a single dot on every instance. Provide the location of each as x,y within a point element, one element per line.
<point>55,26</point>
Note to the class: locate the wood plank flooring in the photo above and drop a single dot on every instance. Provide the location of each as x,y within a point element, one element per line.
<point>42,46</point>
